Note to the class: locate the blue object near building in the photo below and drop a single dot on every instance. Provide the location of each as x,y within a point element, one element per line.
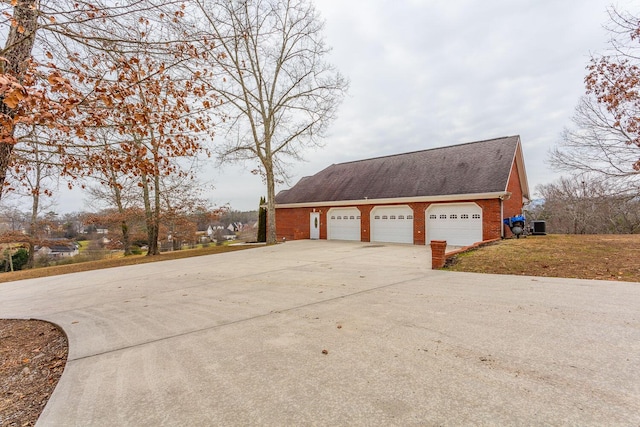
<point>515,224</point>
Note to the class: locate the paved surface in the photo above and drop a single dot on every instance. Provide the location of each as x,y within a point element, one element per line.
<point>238,339</point>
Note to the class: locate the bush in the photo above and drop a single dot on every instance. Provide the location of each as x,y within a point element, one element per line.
<point>18,259</point>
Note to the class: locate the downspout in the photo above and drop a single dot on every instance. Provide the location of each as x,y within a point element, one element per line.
<point>501,217</point>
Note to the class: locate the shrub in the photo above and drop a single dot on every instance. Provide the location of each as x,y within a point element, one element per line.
<point>18,259</point>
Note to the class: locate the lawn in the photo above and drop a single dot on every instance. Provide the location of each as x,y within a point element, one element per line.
<point>603,257</point>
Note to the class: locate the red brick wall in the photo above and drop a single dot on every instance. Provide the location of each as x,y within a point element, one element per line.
<point>419,222</point>
<point>293,223</point>
<point>365,222</point>
<point>513,206</point>
<point>491,220</point>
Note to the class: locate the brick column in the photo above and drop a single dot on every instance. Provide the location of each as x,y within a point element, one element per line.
<point>438,248</point>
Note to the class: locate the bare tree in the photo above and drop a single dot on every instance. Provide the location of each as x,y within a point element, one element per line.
<point>587,205</point>
<point>605,135</point>
<point>275,86</point>
<point>596,145</point>
<point>35,170</point>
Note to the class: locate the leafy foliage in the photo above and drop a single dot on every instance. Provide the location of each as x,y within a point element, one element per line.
<point>614,79</point>
<point>19,260</point>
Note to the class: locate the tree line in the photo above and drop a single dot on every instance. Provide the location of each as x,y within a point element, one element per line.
<point>599,150</point>
<point>130,99</point>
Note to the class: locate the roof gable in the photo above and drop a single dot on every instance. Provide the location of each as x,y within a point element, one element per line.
<point>471,168</point>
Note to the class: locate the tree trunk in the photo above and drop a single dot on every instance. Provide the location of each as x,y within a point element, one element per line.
<point>33,228</point>
<point>271,206</point>
<point>16,53</point>
<point>152,232</point>
<point>126,240</point>
<point>35,206</point>
<point>156,212</point>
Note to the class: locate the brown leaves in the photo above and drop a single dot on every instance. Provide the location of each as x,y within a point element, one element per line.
<point>615,81</point>
<point>12,91</point>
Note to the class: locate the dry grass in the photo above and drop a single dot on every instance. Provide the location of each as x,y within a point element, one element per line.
<point>115,262</point>
<point>604,257</point>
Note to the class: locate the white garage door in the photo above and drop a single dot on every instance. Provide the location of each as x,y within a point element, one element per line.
<point>343,224</point>
<point>460,224</point>
<point>392,224</point>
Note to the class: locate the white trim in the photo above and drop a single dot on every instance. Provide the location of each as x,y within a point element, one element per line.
<point>401,200</point>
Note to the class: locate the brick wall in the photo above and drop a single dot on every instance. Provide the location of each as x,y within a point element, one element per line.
<point>513,206</point>
<point>293,224</point>
<point>491,219</point>
<point>419,222</point>
<point>365,222</point>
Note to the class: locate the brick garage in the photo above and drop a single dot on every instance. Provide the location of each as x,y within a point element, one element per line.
<point>458,193</point>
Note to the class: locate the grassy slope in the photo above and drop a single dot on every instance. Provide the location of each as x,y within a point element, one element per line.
<point>605,257</point>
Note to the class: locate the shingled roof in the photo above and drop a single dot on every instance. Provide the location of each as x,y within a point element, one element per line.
<point>473,168</point>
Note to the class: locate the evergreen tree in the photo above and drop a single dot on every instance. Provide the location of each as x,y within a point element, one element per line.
<point>262,221</point>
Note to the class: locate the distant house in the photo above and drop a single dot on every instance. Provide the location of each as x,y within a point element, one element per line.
<point>58,249</point>
<point>205,232</point>
<point>458,193</point>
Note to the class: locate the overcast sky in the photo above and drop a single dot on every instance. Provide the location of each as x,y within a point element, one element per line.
<point>427,74</point>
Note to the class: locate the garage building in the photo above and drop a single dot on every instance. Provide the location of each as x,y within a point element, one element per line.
<point>458,193</point>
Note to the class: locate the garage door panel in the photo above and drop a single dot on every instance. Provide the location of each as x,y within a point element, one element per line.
<point>393,224</point>
<point>343,224</point>
<point>458,224</point>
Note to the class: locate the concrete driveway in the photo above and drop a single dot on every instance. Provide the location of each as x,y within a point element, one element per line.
<point>240,339</point>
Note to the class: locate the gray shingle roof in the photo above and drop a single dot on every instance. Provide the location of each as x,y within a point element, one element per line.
<point>471,168</point>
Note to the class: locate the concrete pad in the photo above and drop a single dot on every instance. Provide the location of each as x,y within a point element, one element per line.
<point>238,339</point>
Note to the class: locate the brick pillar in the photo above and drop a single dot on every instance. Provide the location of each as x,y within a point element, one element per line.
<point>438,248</point>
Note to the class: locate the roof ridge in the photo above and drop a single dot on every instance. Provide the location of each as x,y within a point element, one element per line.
<point>426,149</point>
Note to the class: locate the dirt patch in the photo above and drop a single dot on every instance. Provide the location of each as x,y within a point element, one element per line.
<point>33,355</point>
<point>603,257</point>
